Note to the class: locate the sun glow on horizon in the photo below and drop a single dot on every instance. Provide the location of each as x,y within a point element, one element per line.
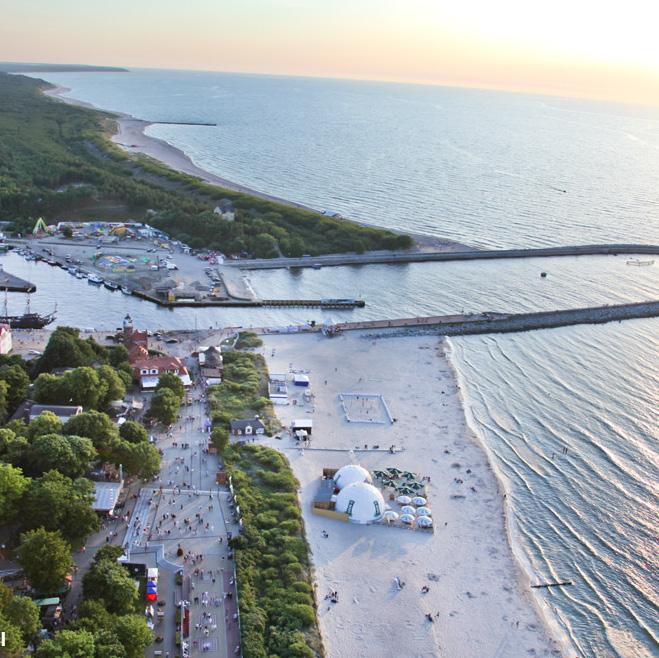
<point>579,47</point>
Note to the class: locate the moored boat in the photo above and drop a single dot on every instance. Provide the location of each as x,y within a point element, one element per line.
<point>126,291</point>
<point>111,285</point>
<point>92,278</point>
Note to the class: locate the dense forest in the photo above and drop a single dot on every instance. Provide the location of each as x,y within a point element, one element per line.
<point>57,162</point>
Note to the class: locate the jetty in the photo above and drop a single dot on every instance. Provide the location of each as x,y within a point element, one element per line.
<point>11,283</point>
<point>182,123</point>
<point>393,257</point>
<point>499,323</point>
<point>207,302</point>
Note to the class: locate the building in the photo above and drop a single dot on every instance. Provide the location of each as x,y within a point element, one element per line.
<point>302,425</point>
<point>5,339</point>
<point>362,502</point>
<point>136,342</point>
<point>226,210</point>
<point>106,496</point>
<point>148,370</point>
<point>211,365</point>
<point>350,474</point>
<point>63,412</point>
<point>247,427</point>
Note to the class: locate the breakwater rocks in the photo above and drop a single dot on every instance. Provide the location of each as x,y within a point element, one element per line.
<point>498,323</point>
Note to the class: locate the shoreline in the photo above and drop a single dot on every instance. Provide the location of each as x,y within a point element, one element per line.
<point>481,591</point>
<point>132,138</point>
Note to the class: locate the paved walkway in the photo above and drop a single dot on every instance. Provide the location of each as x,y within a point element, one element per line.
<point>186,512</point>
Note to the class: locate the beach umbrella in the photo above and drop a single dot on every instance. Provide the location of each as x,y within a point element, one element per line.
<point>390,515</point>
<point>387,483</point>
<point>423,511</point>
<point>409,476</point>
<point>415,485</point>
<point>406,490</point>
<point>404,500</point>
<point>407,518</point>
<point>407,509</point>
<point>424,521</point>
<point>419,500</point>
<point>380,474</point>
<point>394,471</point>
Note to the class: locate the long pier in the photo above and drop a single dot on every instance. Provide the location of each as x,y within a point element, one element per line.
<point>499,323</point>
<point>251,303</point>
<point>389,257</point>
<point>182,123</point>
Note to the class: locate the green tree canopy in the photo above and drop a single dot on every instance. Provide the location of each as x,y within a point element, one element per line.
<point>113,383</point>
<point>68,644</point>
<point>57,503</point>
<point>98,427</point>
<point>140,459</point>
<point>12,487</point>
<point>109,581</point>
<point>17,384</point>
<point>46,559</point>
<point>24,613</point>
<point>45,423</point>
<point>133,432</point>
<point>65,349</point>
<point>173,383</point>
<point>70,455</point>
<point>220,438</point>
<point>164,406</point>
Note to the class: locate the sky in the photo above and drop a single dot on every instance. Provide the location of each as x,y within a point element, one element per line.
<point>585,48</point>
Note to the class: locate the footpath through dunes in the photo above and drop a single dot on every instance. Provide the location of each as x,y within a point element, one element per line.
<point>447,253</point>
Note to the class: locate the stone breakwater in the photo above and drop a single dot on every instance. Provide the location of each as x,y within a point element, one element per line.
<point>334,260</point>
<point>498,323</point>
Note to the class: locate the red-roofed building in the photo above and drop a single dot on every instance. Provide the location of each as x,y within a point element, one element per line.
<point>136,342</point>
<point>148,370</point>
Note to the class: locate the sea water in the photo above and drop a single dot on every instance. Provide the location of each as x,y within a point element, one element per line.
<point>569,416</point>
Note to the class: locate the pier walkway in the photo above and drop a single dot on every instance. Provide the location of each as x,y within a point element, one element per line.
<point>11,283</point>
<point>392,257</point>
<point>497,323</point>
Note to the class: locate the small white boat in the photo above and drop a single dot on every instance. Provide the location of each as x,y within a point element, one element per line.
<point>80,275</point>
<point>126,291</point>
<point>640,263</point>
<point>92,278</point>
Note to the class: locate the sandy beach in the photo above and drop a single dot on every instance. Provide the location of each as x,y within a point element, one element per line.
<point>479,598</point>
<point>131,136</point>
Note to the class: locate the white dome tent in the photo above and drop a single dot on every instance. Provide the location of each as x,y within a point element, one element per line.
<point>362,502</point>
<point>350,474</point>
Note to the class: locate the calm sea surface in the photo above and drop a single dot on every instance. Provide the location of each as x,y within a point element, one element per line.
<point>569,416</point>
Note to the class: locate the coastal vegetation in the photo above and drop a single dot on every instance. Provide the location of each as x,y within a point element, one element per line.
<point>57,162</point>
<point>277,608</point>
<point>243,392</point>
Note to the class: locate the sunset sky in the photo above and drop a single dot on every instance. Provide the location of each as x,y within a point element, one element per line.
<point>570,47</point>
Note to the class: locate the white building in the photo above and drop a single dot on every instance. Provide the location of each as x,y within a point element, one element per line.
<point>5,339</point>
<point>350,474</point>
<point>362,502</point>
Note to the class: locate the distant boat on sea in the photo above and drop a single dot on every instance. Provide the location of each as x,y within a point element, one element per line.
<point>640,263</point>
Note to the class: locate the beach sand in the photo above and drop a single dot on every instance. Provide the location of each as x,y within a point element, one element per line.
<point>478,594</point>
<point>131,136</point>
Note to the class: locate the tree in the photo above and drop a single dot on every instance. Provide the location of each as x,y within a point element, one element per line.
<point>4,400</point>
<point>65,349</point>
<point>164,406</point>
<point>68,644</point>
<point>173,383</point>
<point>85,387</point>
<point>45,423</point>
<point>133,432</point>
<point>99,428</point>
<point>24,613</point>
<point>57,503</point>
<point>12,487</point>
<point>70,455</point>
<point>110,582</point>
<point>49,389</point>
<point>46,559</point>
<point>118,355</point>
<point>17,385</point>
<point>14,645</point>
<point>220,438</point>
<point>140,459</point>
<point>133,634</point>
<point>116,388</point>
<point>67,231</point>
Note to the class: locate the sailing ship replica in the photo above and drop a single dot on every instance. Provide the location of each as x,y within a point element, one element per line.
<point>28,320</point>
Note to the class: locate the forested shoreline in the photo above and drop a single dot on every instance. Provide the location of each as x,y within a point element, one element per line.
<point>57,162</point>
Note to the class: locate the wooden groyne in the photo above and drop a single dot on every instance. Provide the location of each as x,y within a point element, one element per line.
<point>498,323</point>
<point>392,257</point>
